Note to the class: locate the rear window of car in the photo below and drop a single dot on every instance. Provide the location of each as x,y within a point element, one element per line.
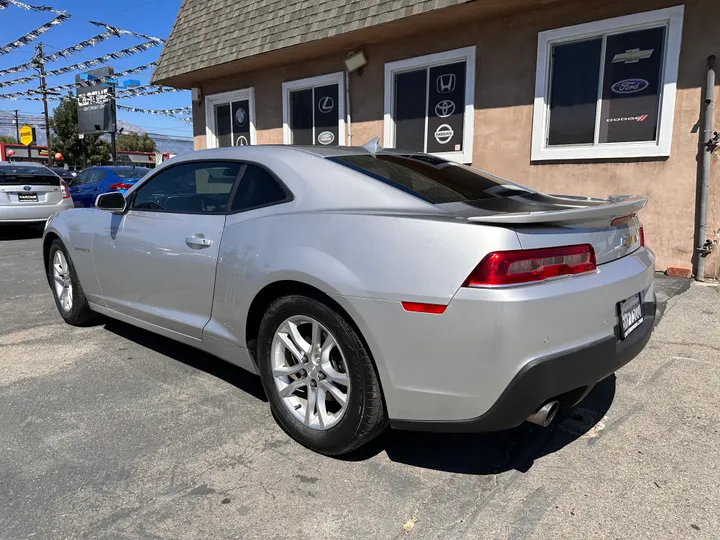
<point>429,178</point>
<point>130,173</point>
<point>26,174</point>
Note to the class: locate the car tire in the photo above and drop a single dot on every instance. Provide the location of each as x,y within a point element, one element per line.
<point>333,433</point>
<point>75,312</point>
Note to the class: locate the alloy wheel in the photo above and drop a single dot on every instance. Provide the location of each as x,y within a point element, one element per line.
<point>310,372</point>
<point>62,282</point>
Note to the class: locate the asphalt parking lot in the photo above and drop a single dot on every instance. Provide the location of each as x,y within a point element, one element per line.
<point>112,432</point>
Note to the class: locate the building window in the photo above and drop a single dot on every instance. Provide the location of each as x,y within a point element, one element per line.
<point>607,89</point>
<point>230,118</point>
<point>313,110</point>
<point>429,104</point>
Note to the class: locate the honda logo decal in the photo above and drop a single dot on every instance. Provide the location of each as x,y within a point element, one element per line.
<point>445,108</point>
<point>326,104</point>
<point>446,83</point>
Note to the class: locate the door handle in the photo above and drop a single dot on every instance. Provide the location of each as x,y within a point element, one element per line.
<point>198,241</point>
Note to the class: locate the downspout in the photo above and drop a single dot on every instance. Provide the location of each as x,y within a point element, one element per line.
<point>702,246</point>
<point>347,108</point>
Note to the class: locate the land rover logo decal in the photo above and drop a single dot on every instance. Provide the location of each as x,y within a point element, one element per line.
<point>326,137</point>
<point>326,104</point>
<point>27,188</point>
<point>445,108</point>
<point>630,86</point>
<point>444,133</point>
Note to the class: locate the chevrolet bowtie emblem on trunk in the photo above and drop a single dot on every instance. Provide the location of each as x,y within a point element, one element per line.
<point>632,56</point>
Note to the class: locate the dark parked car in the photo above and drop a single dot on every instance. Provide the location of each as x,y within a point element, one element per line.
<point>93,181</point>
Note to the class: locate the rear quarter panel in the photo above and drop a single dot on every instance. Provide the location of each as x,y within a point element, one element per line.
<point>389,258</point>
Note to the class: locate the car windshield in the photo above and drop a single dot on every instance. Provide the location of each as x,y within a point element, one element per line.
<point>130,172</point>
<point>429,178</point>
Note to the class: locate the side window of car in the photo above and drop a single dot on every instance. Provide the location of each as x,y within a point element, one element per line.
<point>81,178</point>
<point>99,176</point>
<point>189,188</point>
<point>257,188</point>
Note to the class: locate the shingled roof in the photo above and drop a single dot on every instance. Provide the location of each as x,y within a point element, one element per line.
<point>207,33</point>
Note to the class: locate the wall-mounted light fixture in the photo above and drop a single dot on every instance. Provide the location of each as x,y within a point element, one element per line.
<point>355,61</point>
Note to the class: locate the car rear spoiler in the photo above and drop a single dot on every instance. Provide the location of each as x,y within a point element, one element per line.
<point>577,211</point>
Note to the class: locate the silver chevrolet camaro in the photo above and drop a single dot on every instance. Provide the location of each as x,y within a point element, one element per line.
<point>367,287</point>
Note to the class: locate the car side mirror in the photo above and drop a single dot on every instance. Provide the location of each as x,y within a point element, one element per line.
<point>113,202</point>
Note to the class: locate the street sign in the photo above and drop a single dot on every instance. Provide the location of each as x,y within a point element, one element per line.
<point>27,135</point>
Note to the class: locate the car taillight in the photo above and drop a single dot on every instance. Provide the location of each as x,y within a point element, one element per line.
<point>525,266</point>
<point>120,185</point>
<point>64,189</point>
<point>642,236</point>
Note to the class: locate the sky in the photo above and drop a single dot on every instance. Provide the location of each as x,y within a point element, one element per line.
<point>152,17</point>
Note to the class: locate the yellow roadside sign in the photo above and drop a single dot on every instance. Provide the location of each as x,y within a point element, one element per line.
<point>27,135</point>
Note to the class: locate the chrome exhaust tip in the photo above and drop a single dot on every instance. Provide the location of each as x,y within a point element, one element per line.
<point>545,414</point>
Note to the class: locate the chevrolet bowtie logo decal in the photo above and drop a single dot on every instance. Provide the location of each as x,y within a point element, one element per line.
<point>632,56</point>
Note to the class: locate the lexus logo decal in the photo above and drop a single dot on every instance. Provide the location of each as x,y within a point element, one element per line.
<point>445,108</point>
<point>326,104</point>
<point>446,83</point>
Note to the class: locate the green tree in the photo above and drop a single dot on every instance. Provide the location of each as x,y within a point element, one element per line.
<point>7,139</point>
<point>135,142</point>
<point>64,125</point>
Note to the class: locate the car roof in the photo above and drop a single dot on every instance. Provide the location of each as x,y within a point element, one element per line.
<point>277,150</point>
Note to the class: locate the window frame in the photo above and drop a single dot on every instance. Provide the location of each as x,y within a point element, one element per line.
<point>672,19</point>
<point>231,194</point>
<point>222,98</point>
<point>466,54</point>
<point>311,82</point>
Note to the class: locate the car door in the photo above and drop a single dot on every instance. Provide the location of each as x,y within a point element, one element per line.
<point>92,187</point>
<point>76,187</point>
<point>157,261</point>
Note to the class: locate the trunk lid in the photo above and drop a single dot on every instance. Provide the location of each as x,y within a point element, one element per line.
<point>540,221</point>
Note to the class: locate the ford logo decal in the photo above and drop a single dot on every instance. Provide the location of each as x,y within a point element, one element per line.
<point>27,188</point>
<point>630,86</point>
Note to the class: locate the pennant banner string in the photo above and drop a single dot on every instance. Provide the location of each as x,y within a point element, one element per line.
<point>5,3</point>
<point>33,35</point>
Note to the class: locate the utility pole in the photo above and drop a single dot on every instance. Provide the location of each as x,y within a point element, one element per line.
<point>39,61</point>
<point>17,126</point>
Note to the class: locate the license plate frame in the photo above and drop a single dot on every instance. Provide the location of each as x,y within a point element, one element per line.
<point>27,197</point>
<point>631,314</point>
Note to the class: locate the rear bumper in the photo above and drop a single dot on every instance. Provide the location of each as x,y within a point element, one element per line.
<point>29,213</point>
<point>566,376</point>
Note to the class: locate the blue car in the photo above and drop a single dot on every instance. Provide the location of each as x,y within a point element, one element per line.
<point>93,181</point>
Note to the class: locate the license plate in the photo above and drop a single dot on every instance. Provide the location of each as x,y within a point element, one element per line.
<point>27,197</point>
<point>631,315</point>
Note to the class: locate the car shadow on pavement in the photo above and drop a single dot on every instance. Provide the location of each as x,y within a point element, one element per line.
<point>496,452</point>
<point>195,358</point>
<point>21,232</point>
